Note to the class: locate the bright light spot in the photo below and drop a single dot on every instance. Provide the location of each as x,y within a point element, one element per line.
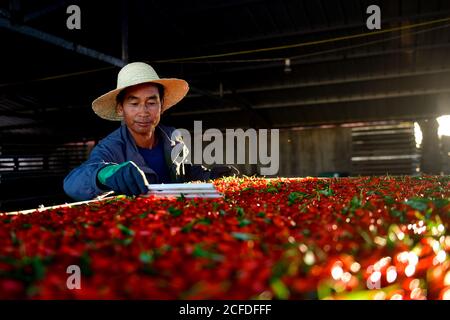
<point>447,279</point>
<point>291,239</point>
<point>434,231</point>
<point>391,274</point>
<point>377,266</point>
<point>309,258</point>
<point>418,134</point>
<point>435,261</point>
<point>380,241</point>
<point>418,228</point>
<point>375,277</point>
<point>416,294</point>
<point>336,271</point>
<point>444,126</point>
<point>334,227</point>
<point>380,264</point>
<point>372,228</point>
<point>441,256</point>
<point>397,297</point>
<point>303,248</point>
<point>265,295</point>
<point>435,245</point>
<point>355,267</point>
<point>413,259</point>
<point>414,284</point>
<point>441,228</point>
<point>391,236</point>
<point>403,256</point>
<point>379,296</point>
<point>446,295</point>
<point>409,270</point>
<point>372,285</point>
<point>400,235</point>
<point>346,277</point>
<point>347,220</point>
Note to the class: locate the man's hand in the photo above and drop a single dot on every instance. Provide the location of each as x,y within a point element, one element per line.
<point>223,171</point>
<point>125,178</point>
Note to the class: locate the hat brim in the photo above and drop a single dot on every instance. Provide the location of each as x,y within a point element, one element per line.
<point>175,90</point>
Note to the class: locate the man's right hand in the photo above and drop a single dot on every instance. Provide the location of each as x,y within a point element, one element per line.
<point>125,178</point>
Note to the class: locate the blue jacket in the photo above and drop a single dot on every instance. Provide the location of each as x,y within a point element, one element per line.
<point>81,183</point>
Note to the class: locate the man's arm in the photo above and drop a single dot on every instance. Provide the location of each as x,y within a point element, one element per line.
<point>81,183</point>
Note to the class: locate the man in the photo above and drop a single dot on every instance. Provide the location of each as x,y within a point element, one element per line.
<point>140,151</point>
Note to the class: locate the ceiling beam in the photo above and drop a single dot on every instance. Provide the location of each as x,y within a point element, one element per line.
<point>329,58</point>
<point>45,11</point>
<point>318,83</point>
<point>423,107</point>
<point>14,114</point>
<point>236,99</point>
<point>71,46</point>
<point>355,98</point>
<point>328,100</point>
<point>437,14</point>
<point>5,14</point>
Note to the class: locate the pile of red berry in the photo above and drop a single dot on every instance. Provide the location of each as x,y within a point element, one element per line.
<point>341,238</point>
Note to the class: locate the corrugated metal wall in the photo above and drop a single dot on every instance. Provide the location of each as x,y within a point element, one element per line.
<point>305,152</point>
<point>313,152</point>
<point>386,149</point>
<point>31,174</point>
<point>310,152</point>
<point>369,149</point>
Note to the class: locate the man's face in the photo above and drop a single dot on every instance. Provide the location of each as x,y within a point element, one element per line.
<point>141,108</point>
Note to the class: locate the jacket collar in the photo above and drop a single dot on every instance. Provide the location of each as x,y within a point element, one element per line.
<point>168,145</point>
<point>164,131</point>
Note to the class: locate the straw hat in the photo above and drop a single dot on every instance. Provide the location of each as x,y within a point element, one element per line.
<point>138,73</point>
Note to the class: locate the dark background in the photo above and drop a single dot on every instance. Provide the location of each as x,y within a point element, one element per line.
<point>378,82</point>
